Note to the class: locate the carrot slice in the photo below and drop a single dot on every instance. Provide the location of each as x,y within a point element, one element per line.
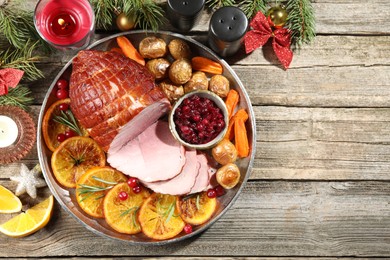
<point>118,50</point>
<point>240,114</point>
<point>206,65</point>
<point>241,138</point>
<point>129,50</point>
<point>231,101</point>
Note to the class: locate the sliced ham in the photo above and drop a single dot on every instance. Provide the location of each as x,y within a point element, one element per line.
<point>203,178</point>
<point>183,182</point>
<point>153,155</point>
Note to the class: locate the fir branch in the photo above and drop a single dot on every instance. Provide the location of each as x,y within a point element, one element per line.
<point>22,59</point>
<point>67,119</point>
<point>104,12</point>
<point>215,4</point>
<point>149,15</point>
<point>19,96</point>
<point>251,7</point>
<point>301,21</point>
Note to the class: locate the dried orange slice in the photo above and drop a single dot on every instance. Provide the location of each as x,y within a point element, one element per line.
<point>30,221</point>
<point>93,185</point>
<point>51,129</point>
<point>159,217</point>
<point>121,206</point>
<point>197,209</point>
<point>73,157</point>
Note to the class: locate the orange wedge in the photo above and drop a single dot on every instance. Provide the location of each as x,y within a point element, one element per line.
<point>30,221</point>
<point>75,156</point>
<point>197,209</point>
<point>9,203</point>
<point>121,214</point>
<point>159,217</point>
<point>51,129</point>
<point>93,185</point>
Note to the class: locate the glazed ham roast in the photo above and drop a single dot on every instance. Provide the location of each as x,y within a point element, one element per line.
<point>108,90</point>
<point>119,104</point>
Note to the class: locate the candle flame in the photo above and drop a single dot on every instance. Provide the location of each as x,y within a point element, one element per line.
<point>61,21</point>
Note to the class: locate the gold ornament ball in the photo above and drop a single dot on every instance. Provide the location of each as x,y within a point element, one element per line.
<point>124,22</point>
<point>278,16</point>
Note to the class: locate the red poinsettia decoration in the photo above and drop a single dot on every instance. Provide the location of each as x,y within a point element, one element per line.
<point>9,78</point>
<point>260,34</point>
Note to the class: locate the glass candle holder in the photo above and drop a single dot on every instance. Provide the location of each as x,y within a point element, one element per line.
<point>66,25</point>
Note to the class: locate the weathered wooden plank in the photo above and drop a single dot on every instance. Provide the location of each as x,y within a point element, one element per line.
<point>268,219</point>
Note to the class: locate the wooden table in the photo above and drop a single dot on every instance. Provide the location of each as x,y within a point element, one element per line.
<point>320,181</point>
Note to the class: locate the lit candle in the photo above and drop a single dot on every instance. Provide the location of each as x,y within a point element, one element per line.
<point>65,24</point>
<point>8,131</point>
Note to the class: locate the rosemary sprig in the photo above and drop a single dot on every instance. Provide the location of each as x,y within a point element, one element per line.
<point>19,96</point>
<point>67,118</point>
<point>133,211</point>
<point>89,190</point>
<point>166,212</point>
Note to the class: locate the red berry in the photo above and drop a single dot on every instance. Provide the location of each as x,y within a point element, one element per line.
<point>137,189</point>
<point>123,195</point>
<point>61,137</point>
<point>219,190</point>
<point>63,106</point>
<point>132,182</point>
<point>69,133</point>
<point>211,193</point>
<point>188,228</point>
<point>62,94</point>
<point>62,84</point>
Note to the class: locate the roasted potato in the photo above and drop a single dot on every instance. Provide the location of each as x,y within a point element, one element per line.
<point>228,176</point>
<point>159,67</point>
<point>152,47</point>
<point>179,49</point>
<point>224,152</point>
<point>198,81</point>
<point>180,71</point>
<point>219,85</point>
<point>172,91</point>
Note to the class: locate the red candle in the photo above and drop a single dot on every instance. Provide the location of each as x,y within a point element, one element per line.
<point>65,24</point>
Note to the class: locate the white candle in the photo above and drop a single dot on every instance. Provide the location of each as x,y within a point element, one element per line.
<point>8,131</point>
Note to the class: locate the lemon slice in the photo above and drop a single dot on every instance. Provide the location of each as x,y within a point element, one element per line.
<point>9,203</point>
<point>30,221</point>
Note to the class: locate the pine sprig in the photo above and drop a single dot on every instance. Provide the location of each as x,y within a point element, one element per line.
<point>148,14</point>
<point>215,4</point>
<point>104,12</point>
<point>251,7</point>
<point>301,21</point>
<point>19,96</point>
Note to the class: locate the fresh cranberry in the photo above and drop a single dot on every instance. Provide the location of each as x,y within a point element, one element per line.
<point>211,193</point>
<point>132,182</point>
<point>62,84</point>
<point>137,189</point>
<point>63,106</point>
<point>219,190</point>
<point>70,133</point>
<point>61,137</point>
<point>62,94</point>
<point>123,195</point>
<point>188,228</point>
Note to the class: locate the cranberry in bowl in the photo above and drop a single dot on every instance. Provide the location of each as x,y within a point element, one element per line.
<point>199,119</point>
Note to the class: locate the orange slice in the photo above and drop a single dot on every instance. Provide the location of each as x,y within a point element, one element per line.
<point>93,185</point>
<point>9,203</point>
<point>159,217</point>
<point>50,128</point>
<point>121,214</point>
<point>197,209</point>
<point>74,157</point>
<point>30,221</point>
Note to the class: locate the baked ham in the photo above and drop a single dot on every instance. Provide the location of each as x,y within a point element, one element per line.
<point>109,93</point>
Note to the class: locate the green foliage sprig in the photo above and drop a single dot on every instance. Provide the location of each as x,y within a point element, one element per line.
<point>19,96</point>
<point>104,12</point>
<point>215,4</point>
<point>251,7</point>
<point>301,21</point>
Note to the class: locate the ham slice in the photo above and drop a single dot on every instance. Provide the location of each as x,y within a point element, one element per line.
<point>154,155</point>
<point>183,182</point>
<point>203,178</point>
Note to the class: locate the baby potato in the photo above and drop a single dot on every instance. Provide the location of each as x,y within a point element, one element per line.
<point>219,85</point>
<point>228,176</point>
<point>224,152</point>
<point>172,91</point>
<point>179,49</point>
<point>159,67</point>
<point>152,47</point>
<point>198,81</point>
<point>180,71</point>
